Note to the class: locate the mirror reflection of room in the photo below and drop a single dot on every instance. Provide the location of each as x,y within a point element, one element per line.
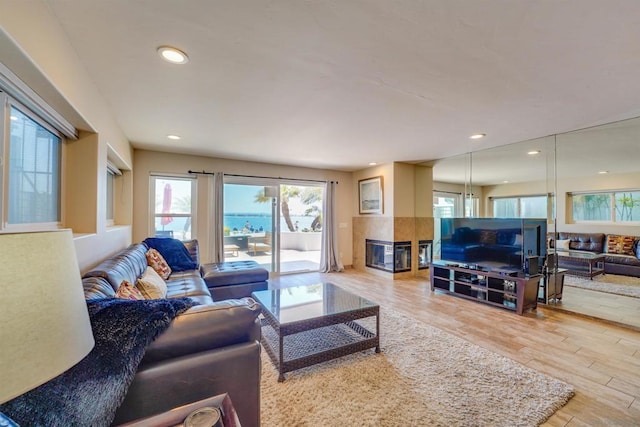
<point>586,184</point>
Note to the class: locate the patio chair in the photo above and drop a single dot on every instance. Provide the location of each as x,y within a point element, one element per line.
<point>259,244</point>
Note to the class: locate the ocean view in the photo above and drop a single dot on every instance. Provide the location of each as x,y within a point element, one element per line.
<point>238,220</point>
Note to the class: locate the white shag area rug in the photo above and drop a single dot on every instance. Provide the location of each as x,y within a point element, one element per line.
<point>423,377</point>
<point>608,283</point>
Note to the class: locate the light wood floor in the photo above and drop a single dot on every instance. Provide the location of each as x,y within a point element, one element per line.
<point>623,310</point>
<point>601,360</point>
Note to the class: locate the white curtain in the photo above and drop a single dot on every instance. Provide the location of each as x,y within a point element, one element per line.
<point>330,256</point>
<point>218,217</point>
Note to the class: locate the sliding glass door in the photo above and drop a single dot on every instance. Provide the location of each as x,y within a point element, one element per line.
<point>276,223</point>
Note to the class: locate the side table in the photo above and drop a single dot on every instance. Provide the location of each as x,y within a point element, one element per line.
<point>176,416</point>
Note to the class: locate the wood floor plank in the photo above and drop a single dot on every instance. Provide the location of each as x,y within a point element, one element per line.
<point>601,360</point>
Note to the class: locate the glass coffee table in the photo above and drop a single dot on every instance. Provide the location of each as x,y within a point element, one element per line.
<point>586,264</point>
<point>305,325</point>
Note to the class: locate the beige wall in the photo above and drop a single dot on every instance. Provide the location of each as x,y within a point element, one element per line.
<point>404,177</point>
<point>148,162</point>
<point>35,48</point>
<point>386,172</point>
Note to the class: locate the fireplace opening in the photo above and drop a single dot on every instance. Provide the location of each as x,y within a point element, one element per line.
<point>394,257</point>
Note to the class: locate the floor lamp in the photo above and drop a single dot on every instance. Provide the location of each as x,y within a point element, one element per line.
<point>45,324</point>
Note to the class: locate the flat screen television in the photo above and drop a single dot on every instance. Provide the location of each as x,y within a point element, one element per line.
<point>510,244</point>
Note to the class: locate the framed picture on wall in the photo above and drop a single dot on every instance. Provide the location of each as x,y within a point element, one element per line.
<point>370,195</point>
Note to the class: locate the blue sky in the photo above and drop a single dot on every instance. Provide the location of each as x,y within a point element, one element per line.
<point>240,198</point>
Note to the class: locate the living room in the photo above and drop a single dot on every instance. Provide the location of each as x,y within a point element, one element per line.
<point>40,44</point>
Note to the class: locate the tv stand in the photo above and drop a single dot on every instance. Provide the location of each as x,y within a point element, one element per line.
<point>511,290</point>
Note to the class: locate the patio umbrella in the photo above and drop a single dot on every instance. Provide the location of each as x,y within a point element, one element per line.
<point>166,205</point>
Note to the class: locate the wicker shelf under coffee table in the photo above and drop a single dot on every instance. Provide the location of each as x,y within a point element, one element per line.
<point>305,325</point>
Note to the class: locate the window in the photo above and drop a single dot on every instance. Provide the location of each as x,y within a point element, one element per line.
<point>110,179</point>
<point>112,176</point>
<point>520,207</point>
<point>33,171</point>
<point>173,210</point>
<point>611,206</point>
<point>446,205</point>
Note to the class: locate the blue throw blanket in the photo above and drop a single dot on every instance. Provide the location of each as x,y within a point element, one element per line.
<point>89,393</point>
<point>173,251</point>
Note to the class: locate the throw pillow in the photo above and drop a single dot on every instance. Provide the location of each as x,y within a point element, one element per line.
<point>128,291</point>
<point>622,245</point>
<point>562,245</point>
<point>158,263</point>
<point>151,285</point>
<point>174,251</point>
<point>488,237</point>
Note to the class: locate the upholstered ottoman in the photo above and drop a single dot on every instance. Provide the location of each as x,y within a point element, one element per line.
<point>234,279</point>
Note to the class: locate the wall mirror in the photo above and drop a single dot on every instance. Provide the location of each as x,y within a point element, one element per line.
<point>585,181</point>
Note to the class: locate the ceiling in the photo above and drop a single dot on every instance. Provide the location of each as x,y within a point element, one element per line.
<point>339,84</point>
<point>613,147</point>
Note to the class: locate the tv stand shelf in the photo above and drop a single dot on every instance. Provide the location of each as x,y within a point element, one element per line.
<point>511,290</point>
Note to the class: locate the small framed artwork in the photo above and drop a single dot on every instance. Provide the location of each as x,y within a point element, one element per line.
<point>370,195</point>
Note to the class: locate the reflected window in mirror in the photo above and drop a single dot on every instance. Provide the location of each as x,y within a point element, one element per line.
<point>471,206</point>
<point>612,206</point>
<point>520,206</point>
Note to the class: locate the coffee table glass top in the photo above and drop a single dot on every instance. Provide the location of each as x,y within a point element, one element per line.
<point>298,303</point>
<point>577,254</point>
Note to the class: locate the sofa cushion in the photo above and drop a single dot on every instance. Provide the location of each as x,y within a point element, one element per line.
<point>188,284</point>
<point>488,237</point>
<point>622,245</point>
<point>563,245</point>
<point>151,285</point>
<point>97,287</point>
<point>128,264</point>
<point>233,273</point>
<point>129,291</point>
<point>592,242</point>
<point>157,262</point>
<point>173,251</point>
<point>622,259</point>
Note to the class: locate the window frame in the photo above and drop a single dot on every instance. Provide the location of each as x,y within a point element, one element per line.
<point>6,103</point>
<point>153,177</point>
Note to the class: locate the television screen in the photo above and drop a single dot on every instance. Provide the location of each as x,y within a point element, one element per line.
<point>494,243</point>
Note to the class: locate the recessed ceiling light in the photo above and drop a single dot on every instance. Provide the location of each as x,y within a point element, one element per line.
<point>174,137</point>
<point>478,135</point>
<point>173,55</point>
<point>372,163</point>
<point>14,118</point>
<point>603,172</point>
<point>505,182</point>
<point>534,152</point>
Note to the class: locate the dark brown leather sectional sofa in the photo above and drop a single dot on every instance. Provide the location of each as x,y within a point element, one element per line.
<point>615,263</point>
<point>212,348</point>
